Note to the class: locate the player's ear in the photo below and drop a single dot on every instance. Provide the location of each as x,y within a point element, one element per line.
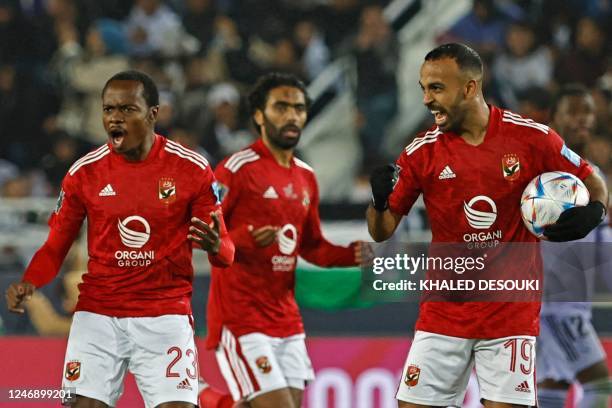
<point>471,88</point>
<point>258,117</point>
<point>152,115</point>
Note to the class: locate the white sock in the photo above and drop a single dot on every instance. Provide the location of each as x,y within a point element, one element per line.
<point>596,394</point>
<point>551,398</point>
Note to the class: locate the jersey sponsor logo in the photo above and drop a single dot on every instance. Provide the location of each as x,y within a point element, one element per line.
<point>511,167</point>
<point>480,219</point>
<point>523,387</point>
<point>134,239</point>
<point>570,155</point>
<point>167,190</point>
<point>263,364</point>
<point>412,376</point>
<point>60,201</point>
<point>287,239</point>
<point>107,191</point>
<point>270,193</point>
<point>283,263</point>
<point>184,385</point>
<point>446,173</point>
<point>73,370</point>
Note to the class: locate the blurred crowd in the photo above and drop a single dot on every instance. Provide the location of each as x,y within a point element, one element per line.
<point>55,56</point>
<point>533,48</point>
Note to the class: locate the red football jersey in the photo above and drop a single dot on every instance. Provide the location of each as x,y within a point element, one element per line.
<point>138,217</point>
<point>472,195</point>
<point>256,294</point>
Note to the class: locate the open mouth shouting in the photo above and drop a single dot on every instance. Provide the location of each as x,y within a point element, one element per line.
<point>116,135</point>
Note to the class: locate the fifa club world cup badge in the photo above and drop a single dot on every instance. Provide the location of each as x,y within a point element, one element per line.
<point>167,190</point>
<point>263,364</point>
<point>412,376</point>
<point>511,167</point>
<point>73,370</point>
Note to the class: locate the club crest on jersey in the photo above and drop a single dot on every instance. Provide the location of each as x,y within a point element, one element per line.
<point>73,370</point>
<point>167,190</point>
<point>263,364</point>
<point>511,167</point>
<point>289,193</point>
<point>412,376</point>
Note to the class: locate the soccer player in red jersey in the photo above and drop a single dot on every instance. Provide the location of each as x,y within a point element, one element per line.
<point>472,168</point>
<point>147,201</point>
<point>270,204</point>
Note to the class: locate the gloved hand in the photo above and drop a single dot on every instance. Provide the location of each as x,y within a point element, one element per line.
<point>576,222</point>
<point>382,180</point>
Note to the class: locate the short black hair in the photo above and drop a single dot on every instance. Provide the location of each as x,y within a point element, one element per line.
<point>467,59</point>
<point>149,92</point>
<point>258,96</point>
<point>573,89</point>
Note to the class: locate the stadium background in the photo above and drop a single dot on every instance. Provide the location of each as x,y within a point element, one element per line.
<point>360,60</point>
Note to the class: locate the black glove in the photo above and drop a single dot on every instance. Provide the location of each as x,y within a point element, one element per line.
<point>576,222</point>
<point>382,181</point>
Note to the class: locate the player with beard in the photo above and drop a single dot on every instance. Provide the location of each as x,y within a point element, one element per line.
<point>147,201</point>
<point>270,201</point>
<point>472,168</point>
<point>568,348</point>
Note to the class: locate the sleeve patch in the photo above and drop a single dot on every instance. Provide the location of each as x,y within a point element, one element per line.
<point>570,155</point>
<point>60,201</point>
<point>219,190</point>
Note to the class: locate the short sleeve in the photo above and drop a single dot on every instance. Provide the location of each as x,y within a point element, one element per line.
<point>408,186</point>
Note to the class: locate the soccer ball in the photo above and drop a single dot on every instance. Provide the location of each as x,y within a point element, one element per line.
<point>547,196</point>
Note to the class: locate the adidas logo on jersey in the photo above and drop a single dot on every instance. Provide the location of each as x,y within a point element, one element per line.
<point>270,193</point>
<point>446,173</point>
<point>184,385</point>
<point>523,387</point>
<point>107,191</point>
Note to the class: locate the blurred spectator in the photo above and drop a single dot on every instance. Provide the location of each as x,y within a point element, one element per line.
<point>83,73</point>
<point>599,151</point>
<point>483,28</point>
<point>199,21</point>
<point>603,110</point>
<point>312,48</point>
<point>18,187</point>
<point>226,132</point>
<point>11,27</point>
<point>523,64</point>
<point>534,103</point>
<point>8,171</point>
<point>376,53</point>
<point>25,108</point>
<point>337,19</point>
<point>154,29</point>
<point>189,140</point>
<point>284,58</point>
<point>588,60</point>
<point>65,151</point>
<point>573,116</point>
